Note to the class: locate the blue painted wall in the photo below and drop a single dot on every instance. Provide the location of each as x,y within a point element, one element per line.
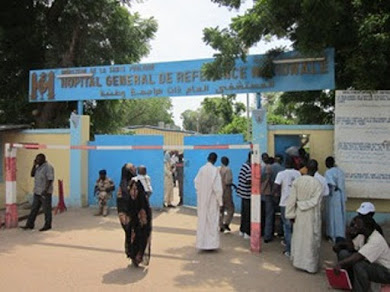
<point>194,159</point>
<point>113,160</point>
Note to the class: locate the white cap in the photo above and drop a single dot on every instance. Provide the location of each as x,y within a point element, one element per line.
<point>365,208</point>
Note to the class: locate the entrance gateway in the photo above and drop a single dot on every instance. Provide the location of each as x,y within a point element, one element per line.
<point>293,72</point>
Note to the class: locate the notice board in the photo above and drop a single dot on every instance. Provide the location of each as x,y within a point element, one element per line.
<point>362,142</point>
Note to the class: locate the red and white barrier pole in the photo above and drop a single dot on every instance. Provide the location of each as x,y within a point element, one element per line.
<point>255,197</point>
<point>11,210</point>
<point>130,147</point>
<point>256,200</point>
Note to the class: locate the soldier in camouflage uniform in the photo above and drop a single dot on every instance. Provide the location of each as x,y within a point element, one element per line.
<point>103,188</point>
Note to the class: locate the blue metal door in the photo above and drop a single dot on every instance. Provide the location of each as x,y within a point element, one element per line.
<point>282,142</point>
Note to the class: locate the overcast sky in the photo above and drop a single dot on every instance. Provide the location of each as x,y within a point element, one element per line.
<point>179,36</point>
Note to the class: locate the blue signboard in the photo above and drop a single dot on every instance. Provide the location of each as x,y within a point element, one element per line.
<point>184,78</point>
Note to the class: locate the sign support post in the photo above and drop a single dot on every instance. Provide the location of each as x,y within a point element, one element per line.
<point>80,108</point>
<point>11,211</point>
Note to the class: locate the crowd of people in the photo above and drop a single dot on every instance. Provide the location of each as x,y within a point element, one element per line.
<point>135,189</point>
<point>296,191</point>
<point>303,197</point>
<point>305,200</point>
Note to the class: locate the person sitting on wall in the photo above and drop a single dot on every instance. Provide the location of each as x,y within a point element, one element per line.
<point>353,241</point>
<point>103,188</point>
<point>371,261</point>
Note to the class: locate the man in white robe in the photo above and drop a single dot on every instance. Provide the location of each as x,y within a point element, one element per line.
<point>304,209</point>
<point>208,188</point>
<point>324,196</point>
<point>168,183</point>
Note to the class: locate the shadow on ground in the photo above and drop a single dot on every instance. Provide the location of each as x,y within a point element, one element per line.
<point>233,264</point>
<point>86,222</point>
<point>125,276</point>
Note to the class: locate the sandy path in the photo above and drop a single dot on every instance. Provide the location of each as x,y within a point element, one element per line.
<point>85,253</point>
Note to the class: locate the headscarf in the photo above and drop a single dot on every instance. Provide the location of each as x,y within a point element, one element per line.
<point>126,176</point>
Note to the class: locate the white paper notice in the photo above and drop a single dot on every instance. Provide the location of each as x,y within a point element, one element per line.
<point>362,142</point>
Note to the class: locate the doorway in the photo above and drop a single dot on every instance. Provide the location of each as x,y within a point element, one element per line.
<point>282,142</point>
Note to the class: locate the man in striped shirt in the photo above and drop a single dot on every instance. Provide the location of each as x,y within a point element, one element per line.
<point>244,190</point>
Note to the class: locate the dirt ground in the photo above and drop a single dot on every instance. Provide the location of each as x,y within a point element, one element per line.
<point>86,253</point>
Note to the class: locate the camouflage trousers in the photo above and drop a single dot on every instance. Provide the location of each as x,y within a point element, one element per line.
<point>103,198</point>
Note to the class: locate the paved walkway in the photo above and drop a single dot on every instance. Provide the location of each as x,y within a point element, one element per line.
<point>85,253</point>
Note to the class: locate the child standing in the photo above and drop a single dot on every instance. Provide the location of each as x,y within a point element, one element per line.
<point>145,180</point>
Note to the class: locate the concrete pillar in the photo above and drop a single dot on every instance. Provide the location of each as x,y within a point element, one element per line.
<point>260,145</point>
<point>260,129</point>
<point>79,136</point>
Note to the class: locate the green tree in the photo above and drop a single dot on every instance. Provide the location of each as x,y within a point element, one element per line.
<point>239,125</point>
<point>127,113</point>
<point>215,115</point>
<point>201,121</point>
<point>277,112</point>
<point>225,107</point>
<point>61,33</point>
<point>308,107</point>
<point>190,120</point>
<point>358,30</point>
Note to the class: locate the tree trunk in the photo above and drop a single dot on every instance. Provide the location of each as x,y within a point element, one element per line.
<point>48,112</point>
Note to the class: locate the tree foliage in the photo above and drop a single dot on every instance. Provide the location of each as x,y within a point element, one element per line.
<point>201,121</point>
<point>224,107</point>
<point>239,125</point>
<point>112,115</point>
<point>190,120</point>
<point>216,115</point>
<point>310,107</point>
<point>358,30</point>
<point>39,34</point>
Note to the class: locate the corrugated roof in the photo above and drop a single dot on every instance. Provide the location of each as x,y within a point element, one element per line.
<point>160,129</point>
<point>4,128</point>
